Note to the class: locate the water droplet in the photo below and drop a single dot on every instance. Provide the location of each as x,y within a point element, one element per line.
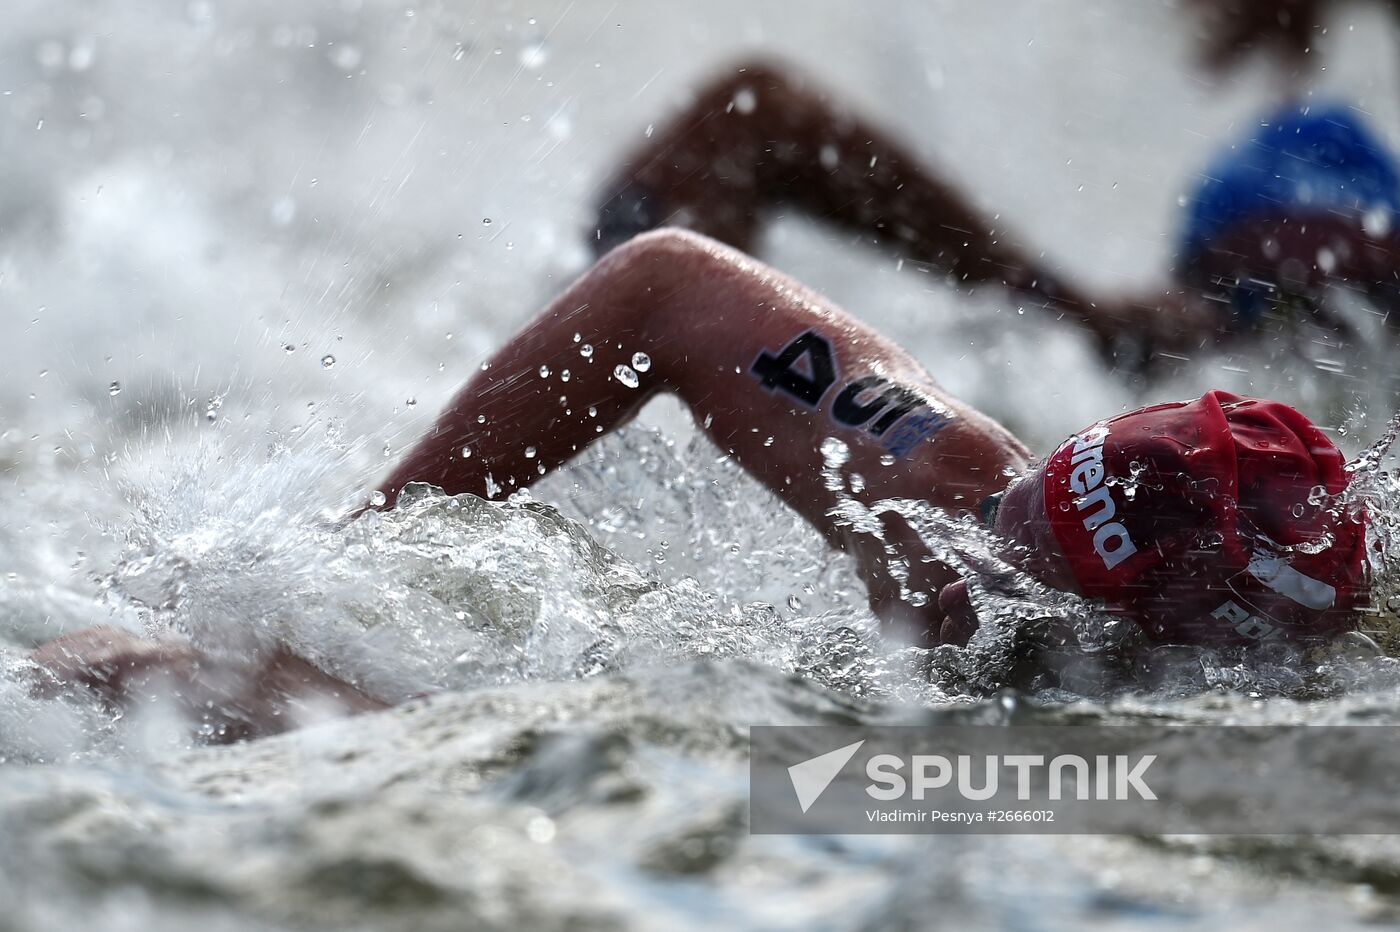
<point>284,211</point>
<point>564,375</point>
<point>530,453</point>
<point>377,498</point>
<point>586,351</point>
<point>115,388</point>
<point>50,54</point>
<point>626,376</point>
<point>410,401</point>
<point>534,56</point>
<point>641,362</point>
<point>288,348</point>
<point>836,453</point>
<point>466,453</point>
<point>578,337</point>
<point>794,603</point>
<point>592,411</point>
<point>544,372</point>
<point>1377,222</point>
<point>327,361</point>
<point>486,221</point>
<point>887,460</point>
<point>481,419</point>
<point>346,57</point>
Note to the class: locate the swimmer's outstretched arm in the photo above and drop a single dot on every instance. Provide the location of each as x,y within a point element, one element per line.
<point>768,368</point>
<point>761,137</point>
<point>229,701</point>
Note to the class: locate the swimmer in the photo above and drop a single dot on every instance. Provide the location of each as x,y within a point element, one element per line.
<point>1201,521</point>
<point>1304,202</point>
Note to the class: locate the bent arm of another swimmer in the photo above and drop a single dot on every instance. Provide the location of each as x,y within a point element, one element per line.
<point>762,136</point>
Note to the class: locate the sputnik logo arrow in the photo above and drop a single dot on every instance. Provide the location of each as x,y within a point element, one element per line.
<point>811,777</point>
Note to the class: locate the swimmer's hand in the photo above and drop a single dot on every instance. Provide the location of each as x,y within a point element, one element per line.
<point>1135,334</point>
<point>1228,30</point>
<point>1043,651</point>
<point>959,617</point>
<point>231,701</point>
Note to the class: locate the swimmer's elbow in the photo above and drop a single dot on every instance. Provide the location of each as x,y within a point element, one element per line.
<point>664,245</point>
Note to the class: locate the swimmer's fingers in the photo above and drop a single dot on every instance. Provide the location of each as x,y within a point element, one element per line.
<point>1227,31</point>
<point>960,618</point>
<point>1135,334</point>
<point>1374,268</point>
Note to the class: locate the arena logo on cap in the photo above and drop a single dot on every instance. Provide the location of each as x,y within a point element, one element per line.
<point>1086,479</point>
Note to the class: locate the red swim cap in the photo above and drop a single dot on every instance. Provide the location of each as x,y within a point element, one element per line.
<point>1194,518</point>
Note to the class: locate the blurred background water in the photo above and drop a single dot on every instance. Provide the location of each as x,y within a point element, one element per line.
<point>247,250</point>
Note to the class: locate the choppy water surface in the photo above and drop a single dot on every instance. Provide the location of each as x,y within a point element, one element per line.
<point>246,253</point>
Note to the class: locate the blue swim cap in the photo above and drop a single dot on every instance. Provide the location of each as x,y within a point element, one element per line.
<point>1321,159</point>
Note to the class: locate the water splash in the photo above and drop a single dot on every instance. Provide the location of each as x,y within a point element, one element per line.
<point>1373,496</point>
